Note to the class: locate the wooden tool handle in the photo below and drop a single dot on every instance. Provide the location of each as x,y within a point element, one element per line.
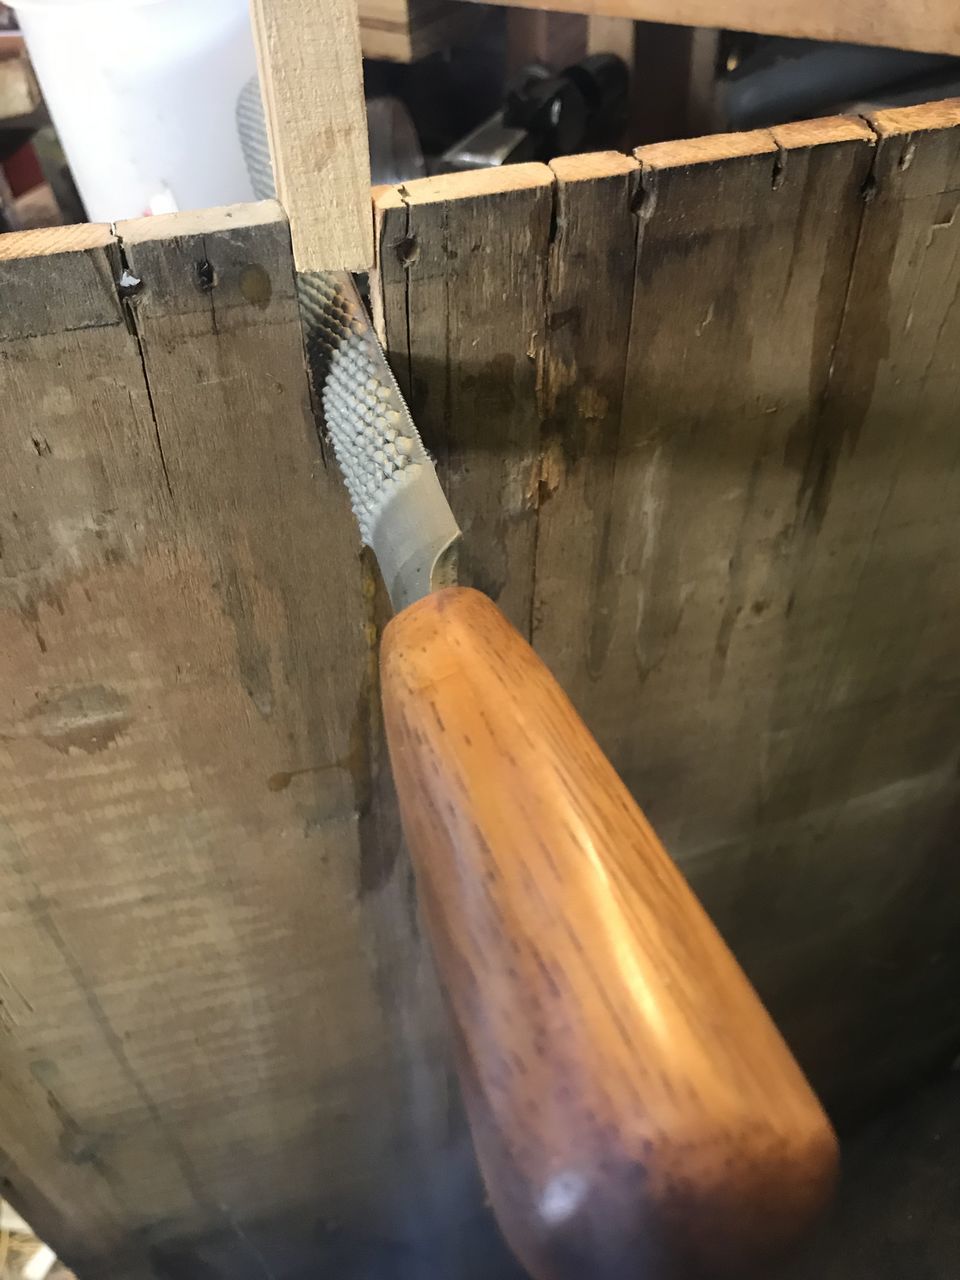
<point>634,1109</point>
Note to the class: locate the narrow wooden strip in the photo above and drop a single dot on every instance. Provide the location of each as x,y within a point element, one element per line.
<point>388,282</point>
<point>590,300</point>
<point>43,241</point>
<point>929,116</point>
<point>475,184</point>
<point>739,298</point>
<point>933,26</point>
<point>818,133</point>
<point>474,256</point>
<point>56,279</point>
<point>311,76</point>
<point>198,222</point>
<point>711,149</point>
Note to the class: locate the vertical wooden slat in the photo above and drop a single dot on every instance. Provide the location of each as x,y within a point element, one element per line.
<point>863,740</point>
<point>192,1047</point>
<point>469,254</point>
<point>737,302</point>
<point>312,83</point>
<point>672,640</point>
<point>69,442</point>
<point>590,298</point>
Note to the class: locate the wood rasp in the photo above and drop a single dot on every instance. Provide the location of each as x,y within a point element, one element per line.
<point>634,1109</point>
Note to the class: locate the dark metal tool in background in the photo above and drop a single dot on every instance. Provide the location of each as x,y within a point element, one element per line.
<point>545,115</point>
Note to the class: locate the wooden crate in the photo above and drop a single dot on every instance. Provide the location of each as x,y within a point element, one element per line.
<point>695,410</point>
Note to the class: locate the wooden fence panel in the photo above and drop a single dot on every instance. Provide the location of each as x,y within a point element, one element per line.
<point>742,552</point>
<point>195,1041</point>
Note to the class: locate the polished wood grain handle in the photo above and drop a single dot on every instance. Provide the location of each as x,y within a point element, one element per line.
<point>634,1109</point>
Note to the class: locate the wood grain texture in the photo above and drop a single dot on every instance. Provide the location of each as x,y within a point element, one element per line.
<point>206,955</point>
<point>633,1106</point>
<point>312,83</point>
<point>732,248</point>
<point>746,245</point>
<point>591,282</point>
<point>932,25</point>
<point>463,260</point>
<point>197,1075</point>
<point>867,707</point>
<point>703,567</point>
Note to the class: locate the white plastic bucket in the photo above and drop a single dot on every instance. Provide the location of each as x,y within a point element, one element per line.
<point>143,95</point>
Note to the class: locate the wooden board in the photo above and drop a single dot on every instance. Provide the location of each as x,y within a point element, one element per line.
<point>932,26</point>
<point>312,84</point>
<point>756,631</point>
<point>872,758</point>
<point>463,264</point>
<point>203,960</point>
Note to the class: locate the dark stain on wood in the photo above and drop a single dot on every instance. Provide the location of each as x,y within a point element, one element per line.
<point>256,286</point>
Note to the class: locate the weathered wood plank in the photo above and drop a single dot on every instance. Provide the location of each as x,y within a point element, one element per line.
<point>933,25</point>
<point>67,370</point>
<point>468,254</point>
<point>864,743</point>
<point>687,591</point>
<point>740,658</point>
<point>746,247</point>
<point>590,294</point>
<point>715,257</point>
<point>191,1041</point>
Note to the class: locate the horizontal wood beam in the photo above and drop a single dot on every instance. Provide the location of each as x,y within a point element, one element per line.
<point>932,27</point>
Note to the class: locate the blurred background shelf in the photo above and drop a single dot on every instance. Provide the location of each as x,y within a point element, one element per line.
<point>405,30</point>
